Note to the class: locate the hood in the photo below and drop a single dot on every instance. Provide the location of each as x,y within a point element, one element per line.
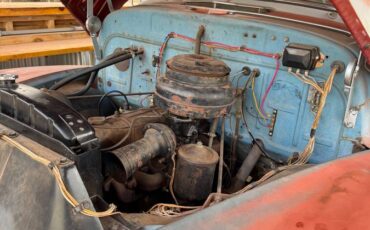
<point>78,8</point>
<point>353,12</point>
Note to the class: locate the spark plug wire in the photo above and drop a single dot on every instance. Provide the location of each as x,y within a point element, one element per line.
<point>173,210</point>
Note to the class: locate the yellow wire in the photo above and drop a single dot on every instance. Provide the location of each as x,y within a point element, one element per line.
<point>309,82</point>
<point>165,209</point>
<point>307,152</point>
<point>56,172</point>
<point>255,101</point>
<point>171,210</point>
<point>173,158</point>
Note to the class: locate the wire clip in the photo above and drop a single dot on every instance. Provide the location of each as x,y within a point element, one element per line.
<point>8,133</point>
<point>81,206</point>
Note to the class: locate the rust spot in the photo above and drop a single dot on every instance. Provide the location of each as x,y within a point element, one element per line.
<point>189,100</point>
<point>299,224</point>
<point>334,189</point>
<point>337,186</point>
<point>176,98</point>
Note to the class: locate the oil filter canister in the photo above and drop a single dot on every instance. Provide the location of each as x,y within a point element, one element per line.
<point>195,169</point>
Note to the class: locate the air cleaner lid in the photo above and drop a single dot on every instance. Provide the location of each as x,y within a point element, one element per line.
<point>200,65</point>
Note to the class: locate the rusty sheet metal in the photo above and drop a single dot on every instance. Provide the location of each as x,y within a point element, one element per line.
<point>329,196</point>
<point>110,130</point>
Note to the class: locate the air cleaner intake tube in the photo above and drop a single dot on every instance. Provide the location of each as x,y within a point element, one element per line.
<point>159,139</point>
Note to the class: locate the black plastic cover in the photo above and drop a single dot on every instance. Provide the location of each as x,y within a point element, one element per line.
<point>55,125</point>
<point>301,56</point>
<point>47,115</point>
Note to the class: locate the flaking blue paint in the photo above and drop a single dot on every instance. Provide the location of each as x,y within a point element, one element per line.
<point>147,27</point>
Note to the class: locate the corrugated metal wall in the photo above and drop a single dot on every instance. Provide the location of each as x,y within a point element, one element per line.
<point>82,58</point>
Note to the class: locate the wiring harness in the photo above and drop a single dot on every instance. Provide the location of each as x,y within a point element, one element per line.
<point>173,210</point>
<point>58,177</point>
<point>218,45</point>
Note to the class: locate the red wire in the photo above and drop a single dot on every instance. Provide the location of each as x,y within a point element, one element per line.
<point>269,86</point>
<point>161,50</point>
<point>233,49</point>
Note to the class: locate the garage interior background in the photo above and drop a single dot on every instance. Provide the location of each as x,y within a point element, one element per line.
<point>29,30</point>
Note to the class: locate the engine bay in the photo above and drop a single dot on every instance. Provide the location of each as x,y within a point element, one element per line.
<point>185,120</point>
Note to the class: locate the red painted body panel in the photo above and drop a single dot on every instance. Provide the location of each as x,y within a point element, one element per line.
<point>29,73</point>
<point>332,196</point>
<point>354,24</point>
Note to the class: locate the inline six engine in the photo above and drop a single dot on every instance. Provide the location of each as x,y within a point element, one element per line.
<point>169,155</point>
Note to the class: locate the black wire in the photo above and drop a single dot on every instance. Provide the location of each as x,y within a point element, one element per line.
<point>125,56</point>
<point>127,105</point>
<point>254,140</point>
<point>87,86</point>
<point>111,101</point>
<point>92,96</point>
<point>95,74</point>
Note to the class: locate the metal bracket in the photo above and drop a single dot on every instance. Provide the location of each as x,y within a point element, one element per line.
<point>8,133</point>
<point>314,97</point>
<point>110,5</point>
<point>80,207</point>
<point>93,25</point>
<point>350,118</point>
<point>350,76</point>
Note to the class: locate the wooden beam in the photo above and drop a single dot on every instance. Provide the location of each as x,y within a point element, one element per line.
<point>31,9</point>
<point>39,15</point>
<point>50,24</point>
<point>8,26</point>
<point>33,12</point>
<point>36,18</point>
<point>28,38</point>
<point>31,5</point>
<point>49,48</point>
